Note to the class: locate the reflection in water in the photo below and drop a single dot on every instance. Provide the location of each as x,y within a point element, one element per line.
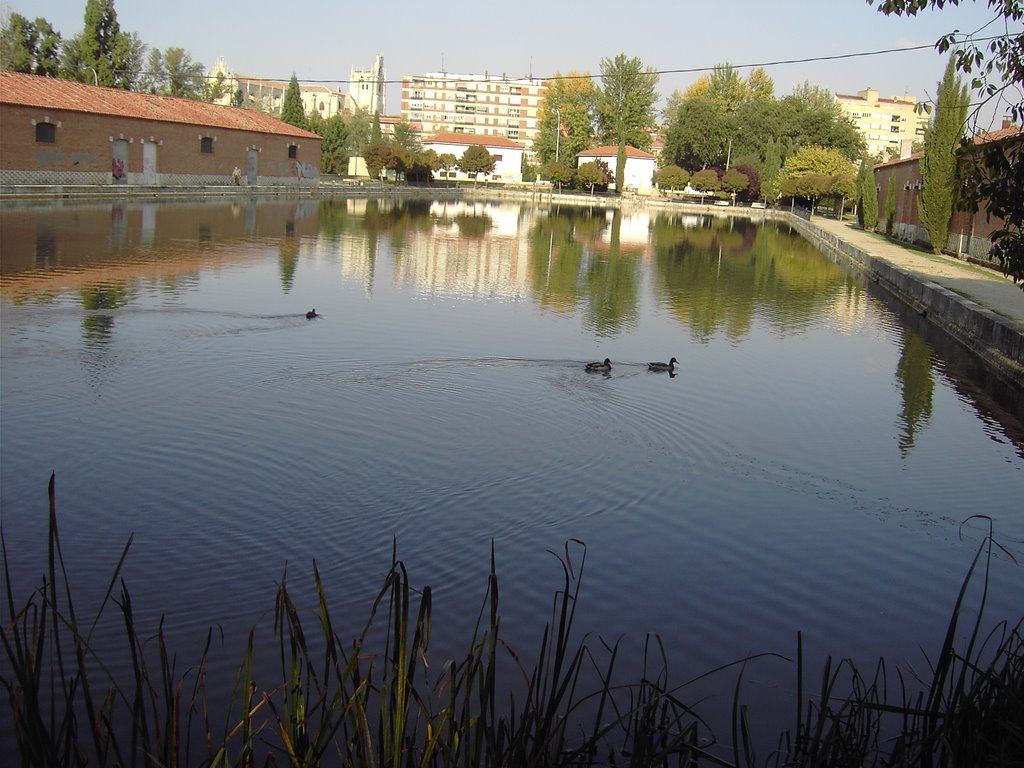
<point>98,327</point>
<point>914,374</point>
<point>288,261</point>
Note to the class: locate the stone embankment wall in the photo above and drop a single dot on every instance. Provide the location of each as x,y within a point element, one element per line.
<point>997,340</point>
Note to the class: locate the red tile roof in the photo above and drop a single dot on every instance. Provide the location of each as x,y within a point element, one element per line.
<point>50,93</point>
<point>468,139</point>
<point>613,151</point>
<point>1002,133</point>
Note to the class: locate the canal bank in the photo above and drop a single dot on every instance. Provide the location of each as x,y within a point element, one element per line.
<point>981,309</point>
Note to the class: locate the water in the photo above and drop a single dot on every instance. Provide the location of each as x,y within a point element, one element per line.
<point>808,469</point>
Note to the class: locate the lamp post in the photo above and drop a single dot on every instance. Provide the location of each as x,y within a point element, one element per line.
<point>558,131</point>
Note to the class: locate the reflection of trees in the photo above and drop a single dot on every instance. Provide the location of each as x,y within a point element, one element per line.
<point>288,261</point>
<point>914,374</point>
<point>333,218</point>
<point>474,225</point>
<point>555,263</point>
<point>719,275</point>
<point>614,283</point>
<point>97,328</point>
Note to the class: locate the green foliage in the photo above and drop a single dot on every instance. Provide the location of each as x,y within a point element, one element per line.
<point>696,135</point>
<point>939,164</point>
<point>334,147</point>
<point>378,156</point>
<point>566,118</point>
<point>406,137</point>
<point>173,73</point>
<point>625,107</point>
<point>868,210</point>
<point>375,132</point>
<point>102,53</point>
<point>476,160</point>
<point>30,47</point>
<point>820,160</point>
<point>358,133</point>
<point>890,207</point>
<point>591,176</point>
<point>292,111</point>
<point>671,177</point>
<point>558,172</point>
<point>734,181</point>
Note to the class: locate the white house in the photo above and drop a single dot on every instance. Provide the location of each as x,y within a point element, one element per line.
<point>508,154</point>
<point>640,165</point>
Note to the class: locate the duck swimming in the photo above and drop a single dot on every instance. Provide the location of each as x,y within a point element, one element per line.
<point>669,366</point>
<point>312,314</point>
<point>605,366</point>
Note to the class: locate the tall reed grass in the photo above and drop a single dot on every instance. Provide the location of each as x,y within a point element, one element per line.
<point>376,699</point>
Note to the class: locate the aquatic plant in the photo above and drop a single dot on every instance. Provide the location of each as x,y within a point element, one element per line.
<point>377,700</point>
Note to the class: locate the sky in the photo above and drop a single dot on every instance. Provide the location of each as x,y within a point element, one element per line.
<point>321,40</point>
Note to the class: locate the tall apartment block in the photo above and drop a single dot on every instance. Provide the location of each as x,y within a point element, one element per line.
<point>482,105</point>
<point>885,124</point>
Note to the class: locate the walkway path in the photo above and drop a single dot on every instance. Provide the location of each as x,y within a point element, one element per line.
<point>983,286</point>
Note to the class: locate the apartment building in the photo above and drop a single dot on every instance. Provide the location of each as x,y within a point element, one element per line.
<point>885,124</point>
<point>479,105</point>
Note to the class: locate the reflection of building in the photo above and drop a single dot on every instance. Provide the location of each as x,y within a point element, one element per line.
<point>884,123</point>
<point>62,132</point>
<point>640,165</point>
<point>968,233</point>
<point>508,154</point>
<point>477,105</point>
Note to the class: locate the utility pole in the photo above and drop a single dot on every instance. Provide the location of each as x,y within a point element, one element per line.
<point>558,131</point>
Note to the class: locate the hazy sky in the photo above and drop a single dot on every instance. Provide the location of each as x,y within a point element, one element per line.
<point>323,39</point>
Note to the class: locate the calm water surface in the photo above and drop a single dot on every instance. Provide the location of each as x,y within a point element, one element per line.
<point>808,468</point>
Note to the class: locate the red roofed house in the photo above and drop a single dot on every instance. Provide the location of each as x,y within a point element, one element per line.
<point>969,234</point>
<point>640,165</point>
<point>508,153</point>
<point>62,132</point>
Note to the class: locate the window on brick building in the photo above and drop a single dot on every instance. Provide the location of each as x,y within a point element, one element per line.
<point>46,133</point>
<point>293,151</point>
<point>206,145</point>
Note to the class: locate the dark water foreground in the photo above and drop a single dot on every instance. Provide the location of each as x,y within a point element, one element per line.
<point>808,469</point>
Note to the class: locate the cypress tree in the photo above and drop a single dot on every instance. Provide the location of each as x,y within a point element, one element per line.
<point>938,165</point>
<point>868,195</point>
<point>291,108</point>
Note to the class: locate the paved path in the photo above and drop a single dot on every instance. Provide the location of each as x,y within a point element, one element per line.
<point>983,286</point>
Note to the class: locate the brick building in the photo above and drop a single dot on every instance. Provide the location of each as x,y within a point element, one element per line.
<point>61,132</point>
<point>969,233</point>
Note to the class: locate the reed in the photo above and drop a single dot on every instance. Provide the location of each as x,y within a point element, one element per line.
<point>377,700</point>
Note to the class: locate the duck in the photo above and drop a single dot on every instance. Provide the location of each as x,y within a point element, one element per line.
<point>311,315</point>
<point>605,366</point>
<point>669,366</point>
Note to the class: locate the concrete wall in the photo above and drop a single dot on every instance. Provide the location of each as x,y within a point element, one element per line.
<point>105,150</point>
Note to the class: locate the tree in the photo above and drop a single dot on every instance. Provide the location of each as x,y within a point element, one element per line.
<point>446,161</point>
<point>824,161</point>
<point>358,133</point>
<point>890,207</point>
<point>377,157</point>
<point>292,111</point>
<point>734,182</point>
<point>938,164</point>
<point>333,148</point>
<point>476,160</point>
<point>671,177</point>
<point>102,54</point>
<point>697,133</point>
<point>565,120</point>
<point>868,210</point>
<point>375,131</point>
<point>558,172</point>
<point>842,187</point>
<point>173,73</point>
<point>997,68</point>
<point>706,181</point>
<point>31,47</point>
<point>625,107</point>
<point>592,175</point>
<point>406,137</point>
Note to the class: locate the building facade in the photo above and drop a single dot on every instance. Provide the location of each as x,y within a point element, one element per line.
<point>969,234</point>
<point>640,166</point>
<point>508,154</point>
<point>366,88</point>
<point>268,95</point>
<point>474,105</point>
<point>61,132</point>
<point>889,126</point>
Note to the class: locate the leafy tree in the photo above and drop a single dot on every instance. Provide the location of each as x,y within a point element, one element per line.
<point>824,161</point>
<point>377,157</point>
<point>31,47</point>
<point>216,88</point>
<point>358,133</point>
<point>291,106</point>
<point>375,132</point>
<point>726,87</point>
<point>558,172</point>
<point>938,164</point>
<point>476,160</point>
<point>890,207</point>
<point>868,209</point>
<point>753,189</point>
<point>842,187</point>
<point>406,136</point>
<point>102,53</point>
<point>706,181</point>
<point>173,73</point>
<point>734,181</point>
<point>446,162</point>
<point>760,87</point>
<point>592,175</point>
<point>671,177</point>
<point>812,116</point>
<point>810,186</point>
<point>697,133</point>
<point>566,118</point>
<point>625,107</point>
<point>772,174</point>
<point>333,148</point>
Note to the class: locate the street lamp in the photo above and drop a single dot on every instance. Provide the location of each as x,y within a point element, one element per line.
<point>558,131</point>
